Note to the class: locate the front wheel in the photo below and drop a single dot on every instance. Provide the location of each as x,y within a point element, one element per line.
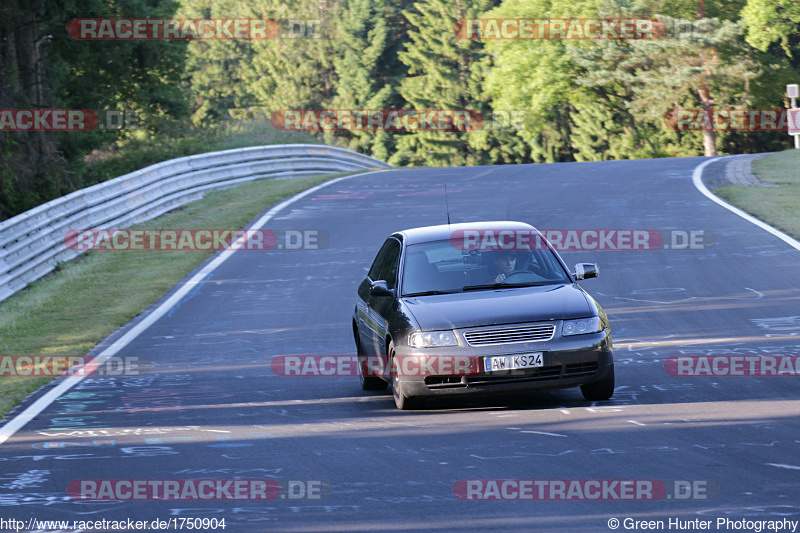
<point>403,402</point>
<point>599,390</point>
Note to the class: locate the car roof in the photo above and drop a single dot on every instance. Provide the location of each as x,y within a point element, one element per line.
<point>445,231</point>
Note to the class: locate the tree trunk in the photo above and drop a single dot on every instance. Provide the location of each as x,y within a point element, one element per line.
<point>709,136</point>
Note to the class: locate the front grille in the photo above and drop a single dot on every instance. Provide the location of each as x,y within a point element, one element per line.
<point>510,335</point>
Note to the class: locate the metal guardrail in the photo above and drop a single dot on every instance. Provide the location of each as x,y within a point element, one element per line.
<point>32,243</point>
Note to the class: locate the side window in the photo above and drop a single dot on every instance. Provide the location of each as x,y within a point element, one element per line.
<point>390,262</point>
<point>375,270</point>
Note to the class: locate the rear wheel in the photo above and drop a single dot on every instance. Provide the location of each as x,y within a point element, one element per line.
<point>599,390</point>
<point>402,401</point>
<point>367,382</point>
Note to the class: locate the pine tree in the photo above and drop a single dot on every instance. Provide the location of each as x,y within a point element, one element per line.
<point>296,70</point>
<point>368,71</point>
<point>215,68</point>
<point>447,72</point>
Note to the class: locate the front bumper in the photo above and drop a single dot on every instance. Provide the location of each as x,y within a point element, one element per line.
<point>567,362</point>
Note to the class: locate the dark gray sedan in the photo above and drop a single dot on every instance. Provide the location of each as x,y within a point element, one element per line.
<point>478,308</point>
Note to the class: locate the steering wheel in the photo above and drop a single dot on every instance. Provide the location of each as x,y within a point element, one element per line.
<point>520,273</point>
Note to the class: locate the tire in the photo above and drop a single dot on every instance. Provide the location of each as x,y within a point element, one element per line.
<point>599,390</point>
<point>401,401</point>
<point>367,382</point>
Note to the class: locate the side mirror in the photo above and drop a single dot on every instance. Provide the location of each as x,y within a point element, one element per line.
<point>586,271</point>
<point>379,288</point>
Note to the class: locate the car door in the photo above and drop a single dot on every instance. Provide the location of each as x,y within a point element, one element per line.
<point>374,311</point>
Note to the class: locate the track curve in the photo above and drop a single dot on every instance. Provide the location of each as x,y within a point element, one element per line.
<point>213,408</point>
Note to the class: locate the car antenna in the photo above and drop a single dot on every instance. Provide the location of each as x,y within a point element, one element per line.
<point>447,204</point>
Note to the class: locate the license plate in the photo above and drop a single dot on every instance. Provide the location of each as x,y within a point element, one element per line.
<point>512,362</point>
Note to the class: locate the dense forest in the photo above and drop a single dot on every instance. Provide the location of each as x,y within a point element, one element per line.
<point>539,99</point>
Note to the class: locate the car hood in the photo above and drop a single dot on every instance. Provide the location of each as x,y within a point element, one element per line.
<point>499,306</point>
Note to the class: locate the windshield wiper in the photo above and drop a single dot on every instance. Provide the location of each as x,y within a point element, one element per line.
<point>503,284</point>
<point>428,293</point>
<point>525,284</point>
<point>478,287</point>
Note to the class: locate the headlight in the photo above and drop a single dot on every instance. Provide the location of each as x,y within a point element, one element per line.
<point>581,326</point>
<point>432,339</point>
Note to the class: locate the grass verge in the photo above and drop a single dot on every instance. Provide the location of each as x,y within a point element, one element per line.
<point>71,310</point>
<point>777,206</point>
<point>130,154</point>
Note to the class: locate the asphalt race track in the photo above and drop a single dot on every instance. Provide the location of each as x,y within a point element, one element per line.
<point>211,407</point>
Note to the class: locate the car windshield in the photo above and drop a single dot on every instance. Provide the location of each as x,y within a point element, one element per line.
<point>442,267</point>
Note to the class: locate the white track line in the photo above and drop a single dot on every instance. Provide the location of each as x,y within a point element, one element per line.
<point>697,179</point>
<point>18,422</point>
<point>781,465</point>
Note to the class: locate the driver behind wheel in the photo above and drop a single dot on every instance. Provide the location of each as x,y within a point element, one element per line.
<point>505,262</point>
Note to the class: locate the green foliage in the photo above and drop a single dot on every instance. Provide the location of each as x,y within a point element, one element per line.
<point>643,80</point>
<point>368,71</point>
<point>294,71</point>
<point>215,68</point>
<point>42,66</point>
<point>609,99</point>
<point>446,72</point>
<point>771,21</point>
<point>187,139</point>
<point>141,76</point>
<point>583,100</point>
